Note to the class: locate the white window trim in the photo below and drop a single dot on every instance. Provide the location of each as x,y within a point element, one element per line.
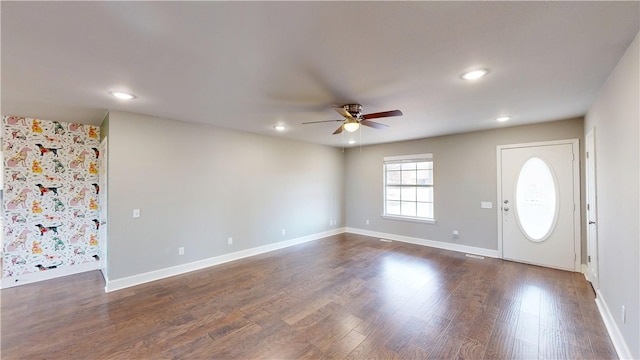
<point>412,158</point>
<point>410,219</point>
<point>399,159</point>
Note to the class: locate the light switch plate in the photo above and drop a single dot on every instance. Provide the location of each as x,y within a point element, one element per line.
<point>486,205</point>
<point>136,213</point>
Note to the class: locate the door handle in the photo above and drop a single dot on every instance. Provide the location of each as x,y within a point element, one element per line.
<point>591,222</point>
<point>506,208</point>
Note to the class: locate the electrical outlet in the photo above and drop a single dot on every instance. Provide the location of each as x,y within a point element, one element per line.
<point>367,221</point>
<point>623,312</point>
<point>230,240</point>
<point>284,231</point>
<point>180,251</point>
<point>136,213</point>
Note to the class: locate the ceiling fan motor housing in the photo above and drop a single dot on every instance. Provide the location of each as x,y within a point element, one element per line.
<point>354,109</point>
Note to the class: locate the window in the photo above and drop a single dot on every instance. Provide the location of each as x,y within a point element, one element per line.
<point>408,187</point>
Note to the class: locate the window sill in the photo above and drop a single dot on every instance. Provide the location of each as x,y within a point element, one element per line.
<point>410,219</point>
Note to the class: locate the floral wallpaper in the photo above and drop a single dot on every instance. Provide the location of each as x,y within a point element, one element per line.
<point>50,199</point>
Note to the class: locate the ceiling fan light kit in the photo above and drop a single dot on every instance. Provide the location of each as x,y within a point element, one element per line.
<point>351,125</point>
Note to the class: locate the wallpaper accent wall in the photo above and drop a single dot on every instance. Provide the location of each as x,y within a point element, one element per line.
<point>50,200</point>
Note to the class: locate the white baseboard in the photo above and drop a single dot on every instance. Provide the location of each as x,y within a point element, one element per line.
<point>118,284</point>
<point>612,328</point>
<point>29,278</point>
<point>431,243</point>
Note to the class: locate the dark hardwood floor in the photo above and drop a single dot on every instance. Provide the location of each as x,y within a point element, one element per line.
<point>343,297</point>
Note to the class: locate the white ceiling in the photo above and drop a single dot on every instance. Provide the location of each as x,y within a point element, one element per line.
<point>251,65</point>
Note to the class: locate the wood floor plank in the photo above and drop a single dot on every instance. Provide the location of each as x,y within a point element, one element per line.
<point>343,347</point>
<point>346,296</point>
<point>447,348</point>
<point>472,349</point>
<point>501,342</point>
<point>524,350</point>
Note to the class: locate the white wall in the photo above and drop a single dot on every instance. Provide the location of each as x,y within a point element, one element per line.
<point>616,116</point>
<point>196,186</point>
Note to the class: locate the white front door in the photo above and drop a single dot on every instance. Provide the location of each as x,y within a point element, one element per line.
<point>539,204</point>
<point>592,229</point>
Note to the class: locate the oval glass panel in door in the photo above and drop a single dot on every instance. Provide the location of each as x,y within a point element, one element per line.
<point>536,200</point>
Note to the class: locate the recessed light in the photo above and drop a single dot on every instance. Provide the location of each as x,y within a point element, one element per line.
<point>503,118</point>
<point>352,142</point>
<point>279,127</point>
<point>122,95</point>
<point>474,74</point>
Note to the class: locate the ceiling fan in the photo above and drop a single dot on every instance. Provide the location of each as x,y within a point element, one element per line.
<point>353,118</point>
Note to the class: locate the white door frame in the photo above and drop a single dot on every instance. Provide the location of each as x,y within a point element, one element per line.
<point>592,208</point>
<point>576,193</point>
<point>103,232</point>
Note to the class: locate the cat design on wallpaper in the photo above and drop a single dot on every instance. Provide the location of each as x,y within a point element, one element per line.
<point>35,247</point>
<point>35,126</point>
<point>20,200</point>
<point>19,158</point>
<point>36,208</point>
<point>36,168</point>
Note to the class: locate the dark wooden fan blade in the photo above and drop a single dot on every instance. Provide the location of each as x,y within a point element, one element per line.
<point>382,114</point>
<point>323,121</point>
<point>343,112</point>
<point>338,131</point>
<point>373,124</point>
